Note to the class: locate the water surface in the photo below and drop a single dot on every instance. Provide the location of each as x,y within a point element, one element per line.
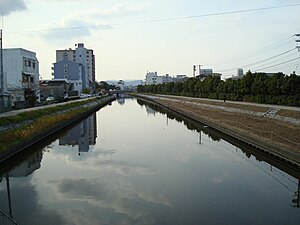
<point>131,163</point>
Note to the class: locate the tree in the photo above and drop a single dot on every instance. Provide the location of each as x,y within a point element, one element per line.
<point>86,91</point>
<point>29,91</point>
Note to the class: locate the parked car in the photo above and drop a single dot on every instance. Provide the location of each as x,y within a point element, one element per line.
<point>82,95</point>
<point>66,96</point>
<point>50,99</point>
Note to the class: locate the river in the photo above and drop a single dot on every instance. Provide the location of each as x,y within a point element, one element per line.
<point>134,163</point>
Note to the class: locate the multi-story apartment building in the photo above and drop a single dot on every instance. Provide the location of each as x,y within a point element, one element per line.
<point>71,72</point>
<point>82,56</point>
<point>21,73</point>
<point>153,78</point>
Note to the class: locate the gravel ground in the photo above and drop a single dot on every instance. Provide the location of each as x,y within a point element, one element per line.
<point>282,130</point>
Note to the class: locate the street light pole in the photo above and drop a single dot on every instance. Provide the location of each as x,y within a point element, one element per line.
<point>1,66</point>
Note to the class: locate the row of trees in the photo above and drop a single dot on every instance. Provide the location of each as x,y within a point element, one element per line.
<point>253,87</point>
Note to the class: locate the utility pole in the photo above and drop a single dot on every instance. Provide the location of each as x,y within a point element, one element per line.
<point>194,70</point>
<point>297,40</point>
<point>1,66</point>
<point>8,196</point>
<point>199,70</point>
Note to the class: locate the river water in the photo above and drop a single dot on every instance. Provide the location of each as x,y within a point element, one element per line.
<point>133,163</point>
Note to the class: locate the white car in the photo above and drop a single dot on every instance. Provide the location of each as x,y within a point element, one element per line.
<point>50,99</point>
<point>83,95</point>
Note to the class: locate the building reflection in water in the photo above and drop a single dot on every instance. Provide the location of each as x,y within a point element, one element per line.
<point>82,135</point>
<point>24,169</point>
<point>149,110</point>
<point>121,98</point>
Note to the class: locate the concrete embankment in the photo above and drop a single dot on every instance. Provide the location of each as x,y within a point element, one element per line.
<point>18,135</point>
<point>269,130</point>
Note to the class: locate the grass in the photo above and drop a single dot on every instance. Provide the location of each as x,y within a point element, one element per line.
<point>15,136</point>
<point>42,120</point>
<point>32,115</point>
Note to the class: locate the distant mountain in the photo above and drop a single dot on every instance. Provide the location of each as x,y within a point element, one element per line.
<point>127,82</point>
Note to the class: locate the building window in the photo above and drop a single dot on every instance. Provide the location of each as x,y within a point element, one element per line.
<point>66,71</point>
<point>31,79</point>
<point>33,65</point>
<point>25,78</point>
<point>65,56</point>
<point>28,63</point>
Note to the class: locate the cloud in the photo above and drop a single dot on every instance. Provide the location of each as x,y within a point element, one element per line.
<point>120,10</point>
<point>72,29</point>
<point>108,199</point>
<point>9,6</point>
<point>81,23</point>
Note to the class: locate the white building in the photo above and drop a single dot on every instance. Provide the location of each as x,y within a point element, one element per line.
<point>164,79</point>
<point>151,78</point>
<point>21,72</point>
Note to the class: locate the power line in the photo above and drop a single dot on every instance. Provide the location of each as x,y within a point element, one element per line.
<point>279,64</point>
<point>261,51</point>
<point>258,62</point>
<point>166,19</point>
<point>280,59</point>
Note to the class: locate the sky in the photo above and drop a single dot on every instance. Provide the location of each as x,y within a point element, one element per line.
<point>131,37</point>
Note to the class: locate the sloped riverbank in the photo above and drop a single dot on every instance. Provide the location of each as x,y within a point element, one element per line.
<point>273,131</point>
<point>22,130</point>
